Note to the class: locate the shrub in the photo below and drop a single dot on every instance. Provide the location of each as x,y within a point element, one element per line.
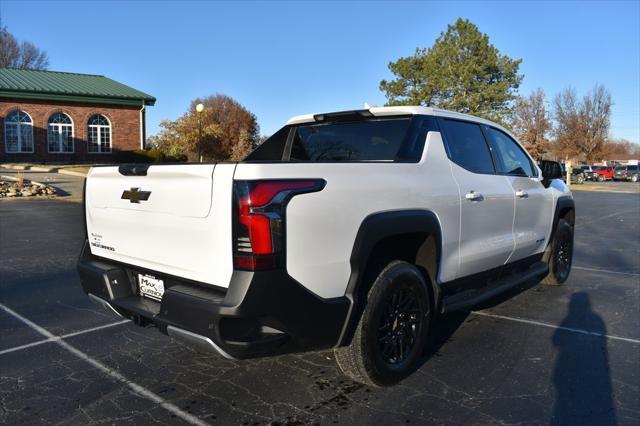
<point>146,156</point>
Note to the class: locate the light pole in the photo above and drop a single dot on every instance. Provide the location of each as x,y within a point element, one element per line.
<point>199,109</point>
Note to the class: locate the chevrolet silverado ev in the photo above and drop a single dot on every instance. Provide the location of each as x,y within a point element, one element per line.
<point>347,230</point>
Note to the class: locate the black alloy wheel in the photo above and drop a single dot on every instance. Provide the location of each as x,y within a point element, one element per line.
<point>399,325</point>
<point>564,255</point>
<point>560,255</point>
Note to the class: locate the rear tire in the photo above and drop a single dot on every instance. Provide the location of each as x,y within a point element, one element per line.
<point>600,178</point>
<point>634,178</point>
<point>392,332</point>
<point>561,255</point>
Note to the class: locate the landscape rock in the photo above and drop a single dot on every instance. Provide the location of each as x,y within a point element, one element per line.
<point>13,189</point>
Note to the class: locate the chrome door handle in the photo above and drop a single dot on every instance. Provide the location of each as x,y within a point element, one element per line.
<point>522,194</point>
<point>473,196</point>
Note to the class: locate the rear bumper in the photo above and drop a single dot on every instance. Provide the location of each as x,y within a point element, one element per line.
<point>260,314</point>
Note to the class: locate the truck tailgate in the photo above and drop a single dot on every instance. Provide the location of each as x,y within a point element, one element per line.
<point>175,220</point>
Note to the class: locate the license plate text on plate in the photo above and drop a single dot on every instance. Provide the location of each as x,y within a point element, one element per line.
<point>151,287</point>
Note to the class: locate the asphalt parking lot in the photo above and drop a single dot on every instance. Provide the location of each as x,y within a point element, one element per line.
<point>566,355</point>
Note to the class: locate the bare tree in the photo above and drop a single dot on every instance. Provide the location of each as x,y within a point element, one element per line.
<point>622,147</point>
<point>25,55</point>
<point>582,126</point>
<point>530,122</point>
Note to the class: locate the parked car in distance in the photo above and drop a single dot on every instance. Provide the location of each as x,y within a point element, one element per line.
<point>589,172</point>
<point>627,173</point>
<point>350,231</point>
<point>577,175</point>
<point>604,173</point>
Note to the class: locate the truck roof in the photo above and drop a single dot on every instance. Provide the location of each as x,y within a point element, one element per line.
<point>395,110</point>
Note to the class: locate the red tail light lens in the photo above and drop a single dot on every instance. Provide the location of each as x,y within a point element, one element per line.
<point>259,220</point>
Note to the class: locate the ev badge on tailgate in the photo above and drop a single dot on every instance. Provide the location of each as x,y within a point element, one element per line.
<point>135,195</point>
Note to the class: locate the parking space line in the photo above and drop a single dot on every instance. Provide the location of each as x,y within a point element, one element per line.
<point>64,336</point>
<point>606,271</point>
<point>136,388</point>
<point>599,218</point>
<point>557,327</point>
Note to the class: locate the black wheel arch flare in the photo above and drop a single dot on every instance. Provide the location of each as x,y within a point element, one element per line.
<point>374,229</point>
<point>565,209</point>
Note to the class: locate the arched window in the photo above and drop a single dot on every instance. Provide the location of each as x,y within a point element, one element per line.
<point>99,134</point>
<point>60,133</point>
<point>18,132</point>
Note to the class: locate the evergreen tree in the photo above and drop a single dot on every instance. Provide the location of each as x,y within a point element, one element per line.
<point>461,72</point>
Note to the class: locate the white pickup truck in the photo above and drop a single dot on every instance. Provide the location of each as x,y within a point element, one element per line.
<point>347,230</point>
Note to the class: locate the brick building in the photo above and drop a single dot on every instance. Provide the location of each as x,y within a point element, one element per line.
<point>59,117</point>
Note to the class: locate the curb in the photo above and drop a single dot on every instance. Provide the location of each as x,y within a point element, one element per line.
<point>11,166</point>
<point>43,169</point>
<point>71,173</point>
<point>16,179</point>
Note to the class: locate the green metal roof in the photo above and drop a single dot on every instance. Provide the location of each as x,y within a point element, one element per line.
<point>66,86</point>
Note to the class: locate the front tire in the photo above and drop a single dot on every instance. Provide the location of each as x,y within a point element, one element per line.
<point>561,255</point>
<point>600,178</point>
<point>392,332</point>
<point>634,178</point>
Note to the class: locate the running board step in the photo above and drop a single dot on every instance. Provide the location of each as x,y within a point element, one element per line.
<point>470,298</point>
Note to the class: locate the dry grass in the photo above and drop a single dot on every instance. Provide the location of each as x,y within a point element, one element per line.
<point>20,178</point>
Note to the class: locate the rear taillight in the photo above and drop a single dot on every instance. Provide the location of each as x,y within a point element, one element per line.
<point>259,220</point>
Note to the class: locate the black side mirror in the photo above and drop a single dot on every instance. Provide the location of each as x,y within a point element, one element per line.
<point>550,170</point>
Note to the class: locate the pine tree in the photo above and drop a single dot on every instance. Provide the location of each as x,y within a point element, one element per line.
<point>461,72</point>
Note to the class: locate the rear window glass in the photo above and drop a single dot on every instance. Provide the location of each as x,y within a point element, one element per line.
<point>371,140</point>
<point>632,168</point>
<point>271,149</point>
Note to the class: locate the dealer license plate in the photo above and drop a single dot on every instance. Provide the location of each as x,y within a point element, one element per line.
<point>151,287</point>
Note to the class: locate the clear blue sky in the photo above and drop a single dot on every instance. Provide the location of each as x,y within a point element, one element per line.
<point>284,59</point>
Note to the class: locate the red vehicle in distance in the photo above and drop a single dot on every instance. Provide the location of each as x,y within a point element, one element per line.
<point>604,173</point>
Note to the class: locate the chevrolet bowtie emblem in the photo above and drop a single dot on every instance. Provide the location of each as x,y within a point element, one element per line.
<point>135,195</point>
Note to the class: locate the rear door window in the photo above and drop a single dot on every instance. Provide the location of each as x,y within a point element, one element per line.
<point>467,147</point>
